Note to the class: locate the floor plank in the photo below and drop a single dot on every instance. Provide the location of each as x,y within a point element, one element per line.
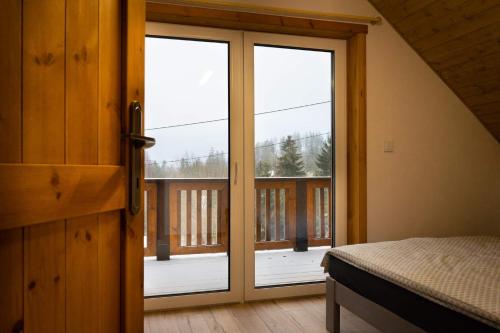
<point>294,315</point>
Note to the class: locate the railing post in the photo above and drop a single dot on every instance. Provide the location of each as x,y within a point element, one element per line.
<point>163,222</point>
<point>301,239</point>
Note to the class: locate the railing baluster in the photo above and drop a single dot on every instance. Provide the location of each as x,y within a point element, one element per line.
<point>287,214</point>
<point>179,219</point>
<point>268,215</point>
<point>198,218</point>
<point>189,223</point>
<point>219,216</point>
<point>258,224</point>
<point>277,206</point>
<point>209,217</point>
<point>322,212</point>
<point>327,212</point>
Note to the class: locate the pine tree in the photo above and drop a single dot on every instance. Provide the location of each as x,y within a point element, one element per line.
<point>290,162</point>
<point>263,169</point>
<point>324,159</point>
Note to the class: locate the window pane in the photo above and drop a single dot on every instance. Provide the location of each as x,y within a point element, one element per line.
<point>187,111</point>
<point>293,163</point>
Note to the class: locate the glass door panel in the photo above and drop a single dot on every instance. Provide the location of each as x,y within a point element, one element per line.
<point>187,103</point>
<point>293,163</point>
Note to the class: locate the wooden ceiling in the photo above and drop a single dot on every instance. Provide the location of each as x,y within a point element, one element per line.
<point>460,40</point>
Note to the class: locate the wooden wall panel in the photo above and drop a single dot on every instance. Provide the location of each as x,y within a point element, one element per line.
<point>45,278</point>
<point>10,84</point>
<point>82,267</point>
<point>43,81</point>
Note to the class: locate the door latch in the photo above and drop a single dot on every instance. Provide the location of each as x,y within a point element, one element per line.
<point>137,143</point>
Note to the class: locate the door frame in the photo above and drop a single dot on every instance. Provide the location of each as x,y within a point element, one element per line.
<point>339,138</point>
<point>236,176</point>
<point>355,36</point>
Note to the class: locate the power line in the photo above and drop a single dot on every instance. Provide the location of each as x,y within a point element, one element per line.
<point>225,153</point>
<point>222,119</point>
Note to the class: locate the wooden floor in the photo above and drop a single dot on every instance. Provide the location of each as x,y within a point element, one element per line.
<point>276,316</point>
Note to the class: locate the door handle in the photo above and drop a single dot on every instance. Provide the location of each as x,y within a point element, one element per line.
<point>141,141</point>
<point>137,143</point>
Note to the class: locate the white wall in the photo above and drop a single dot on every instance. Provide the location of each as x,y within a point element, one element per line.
<point>444,176</point>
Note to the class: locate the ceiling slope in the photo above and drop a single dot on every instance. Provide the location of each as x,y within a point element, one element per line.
<point>460,40</point>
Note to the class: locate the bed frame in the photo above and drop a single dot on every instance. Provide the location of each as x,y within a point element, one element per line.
<point>339,295</point>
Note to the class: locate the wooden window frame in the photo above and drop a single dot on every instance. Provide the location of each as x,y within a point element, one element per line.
<point>355,36</point>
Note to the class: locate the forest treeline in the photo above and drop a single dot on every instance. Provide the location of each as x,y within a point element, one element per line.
<point>290,156</point>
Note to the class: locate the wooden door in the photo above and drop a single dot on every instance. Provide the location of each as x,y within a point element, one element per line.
<point>70,253</point>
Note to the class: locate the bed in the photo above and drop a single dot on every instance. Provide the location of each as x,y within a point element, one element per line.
<point>417,285</point>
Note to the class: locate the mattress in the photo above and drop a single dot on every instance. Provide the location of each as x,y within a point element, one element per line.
<point>459,273</point>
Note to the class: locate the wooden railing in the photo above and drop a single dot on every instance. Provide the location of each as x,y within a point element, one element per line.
<point>190,216</point>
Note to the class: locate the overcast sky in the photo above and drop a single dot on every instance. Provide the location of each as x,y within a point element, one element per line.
<point>187,82</point>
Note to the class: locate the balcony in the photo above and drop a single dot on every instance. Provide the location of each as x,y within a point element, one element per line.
<point>186,221</point>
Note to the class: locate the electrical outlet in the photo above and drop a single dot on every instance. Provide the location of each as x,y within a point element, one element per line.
<point>388,146</point>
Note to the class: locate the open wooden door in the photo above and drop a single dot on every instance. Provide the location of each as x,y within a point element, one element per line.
<point>70,250</point>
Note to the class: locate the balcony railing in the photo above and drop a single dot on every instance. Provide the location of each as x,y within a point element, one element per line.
<point>190,216</point>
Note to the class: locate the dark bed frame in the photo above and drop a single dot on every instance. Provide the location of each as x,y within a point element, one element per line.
<point>387,306</point>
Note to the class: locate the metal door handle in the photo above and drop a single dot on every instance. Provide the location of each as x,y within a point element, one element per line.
<point>141,141</point>
<point>137,143</point>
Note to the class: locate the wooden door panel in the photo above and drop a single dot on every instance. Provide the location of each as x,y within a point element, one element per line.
<point>10,85</point>
<point>11,279</point>
<point>62,173</point>
<point>109,271</point>
<point>43,73</point>
<point>82,267</point>
<point>45,277</point>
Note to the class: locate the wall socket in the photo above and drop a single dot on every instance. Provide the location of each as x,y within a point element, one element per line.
<point>388,146</point>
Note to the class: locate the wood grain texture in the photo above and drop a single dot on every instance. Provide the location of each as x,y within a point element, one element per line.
<point>82,67</point>
<point>10,85</point>
<point>41,193</point>
<point>283,316</point>
<point>82,274</point>
<point>459,39</point>
<point>11,280</point>
<point>356,140</point>
<point>45,278</point>
<point>109,272</point>
<point>59,115</point>
<point>132,282</point>
<point>11,241</point>
<point>43,84</point>
<point>109,82</point>
<point>171,13</point>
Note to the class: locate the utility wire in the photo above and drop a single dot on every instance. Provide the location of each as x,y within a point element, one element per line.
<point>221,119</point>
<point>225,153</point>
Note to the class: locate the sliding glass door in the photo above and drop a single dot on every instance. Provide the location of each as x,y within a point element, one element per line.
<point>245,188</point>
<point>193,221</point>
<point>295,156</point>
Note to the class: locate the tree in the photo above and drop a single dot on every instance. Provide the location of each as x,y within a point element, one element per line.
<point>324,159</point>
<point>290,162</point>
<point>263,169</point>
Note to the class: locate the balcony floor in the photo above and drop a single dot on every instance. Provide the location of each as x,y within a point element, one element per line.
<point>197,273</point>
